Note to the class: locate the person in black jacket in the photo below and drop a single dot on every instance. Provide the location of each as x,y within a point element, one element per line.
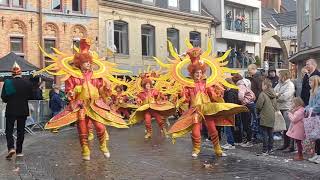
<point>233,133</point>
<point>311,67</point>
<point>16,92</point>
<point>256,79</point>
<point>272,75</point>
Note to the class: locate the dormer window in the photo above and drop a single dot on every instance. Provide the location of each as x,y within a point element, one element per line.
<point>17,3</point>
<point>173,3</point>
<point>56,5</point>
<point>195,5</point>
<point>148,1</point>
<point>4,2</point>
<point>76,6</point>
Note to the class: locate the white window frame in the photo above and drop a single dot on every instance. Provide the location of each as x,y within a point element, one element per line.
<point>150,2</point>
<point>153,36</point>
<point>52,8</point>
<point>177,47</point>
<point>193,9</point>
<point>122,35</point>
<point>20,5</point>
<point>172,6</point>
<point>7,3</point>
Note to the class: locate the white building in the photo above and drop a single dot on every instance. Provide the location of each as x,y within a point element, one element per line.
<point>239,28</point>
<point>308,29</point>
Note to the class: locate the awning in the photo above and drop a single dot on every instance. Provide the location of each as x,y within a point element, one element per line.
<point>7,62</point>
<point>27,68</point>
<point>305,54</point>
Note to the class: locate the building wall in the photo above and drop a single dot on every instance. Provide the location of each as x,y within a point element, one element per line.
<point>61,26</point>
<point>308,34</point>
<point>16,22</point>
<point>222,35</point>
<point>135,19</point>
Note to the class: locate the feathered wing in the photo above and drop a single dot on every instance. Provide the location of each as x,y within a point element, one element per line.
<point>62,66</point>
<point>175,66</point>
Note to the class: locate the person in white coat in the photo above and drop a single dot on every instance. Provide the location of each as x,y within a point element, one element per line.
<point>285,91</point>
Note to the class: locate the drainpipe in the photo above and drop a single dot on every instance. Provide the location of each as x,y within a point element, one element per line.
<point>40,33</point>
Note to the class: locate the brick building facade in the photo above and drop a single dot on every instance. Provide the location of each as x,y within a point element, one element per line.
<point>53,23</point>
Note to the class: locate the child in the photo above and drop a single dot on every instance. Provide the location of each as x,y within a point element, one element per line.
<point>296,129</point>
<point>266,106</point>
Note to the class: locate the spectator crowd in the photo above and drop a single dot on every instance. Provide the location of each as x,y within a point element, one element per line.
<point>279,109</point>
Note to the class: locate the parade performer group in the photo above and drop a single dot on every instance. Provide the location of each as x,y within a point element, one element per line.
<point>99,99</point>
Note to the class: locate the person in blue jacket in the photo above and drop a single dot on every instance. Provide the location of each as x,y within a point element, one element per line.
<point>55,103</point>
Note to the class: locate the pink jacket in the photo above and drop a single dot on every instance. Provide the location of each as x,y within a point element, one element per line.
<point>296,129</point>
<point>245,94</point>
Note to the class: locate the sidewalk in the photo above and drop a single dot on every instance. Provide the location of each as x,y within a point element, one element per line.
<point>58,156</point>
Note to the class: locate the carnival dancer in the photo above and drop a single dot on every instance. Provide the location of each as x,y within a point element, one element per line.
<point>204,95</point>
<point>152,104</point>
<point>120,102</point>
<point>84,86</point>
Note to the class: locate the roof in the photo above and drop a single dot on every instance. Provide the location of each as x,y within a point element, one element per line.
<point>305,54</point>
<point>286,18</point>
<point>7,62</point>
<point>289,5</point>
<point>184,7</point>
<point>267,18</point>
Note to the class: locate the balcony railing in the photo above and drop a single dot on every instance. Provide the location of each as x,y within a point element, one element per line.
<point>240,61</point>
<point>240,25</point>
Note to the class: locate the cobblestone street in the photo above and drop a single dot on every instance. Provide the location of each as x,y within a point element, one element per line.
<point>57,156</point>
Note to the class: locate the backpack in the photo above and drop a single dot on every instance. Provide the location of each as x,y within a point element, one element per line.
<point>248,95</point>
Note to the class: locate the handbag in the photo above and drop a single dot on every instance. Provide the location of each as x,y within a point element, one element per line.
<point>312,126</point>
<point>279,122</point>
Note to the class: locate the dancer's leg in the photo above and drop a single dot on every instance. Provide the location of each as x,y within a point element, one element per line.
<point>83,136</point>
<point>147,121</point>
<point>90,129</point>
<point>213,133</point>
<point>196,139</point>
<point>103,137</point>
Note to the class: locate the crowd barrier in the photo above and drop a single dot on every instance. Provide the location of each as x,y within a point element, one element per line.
<point>39,115</point>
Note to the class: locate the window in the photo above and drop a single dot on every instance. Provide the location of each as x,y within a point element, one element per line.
<point>48,44</point>
<point>173,3</point>
<point>75,44</point>
<point>121,37</point>
<point>241,19</point>
<point>16,44</point>
<point>76,5</point>
<point>195,39</point>
<point>56,5</point>
<point>148,40</point>
<point>173,37</point>
<point>306,12</point>
<point>4,2</point>
<point>148,1</point>
<point>17,3</point>
<point>195,5</point>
